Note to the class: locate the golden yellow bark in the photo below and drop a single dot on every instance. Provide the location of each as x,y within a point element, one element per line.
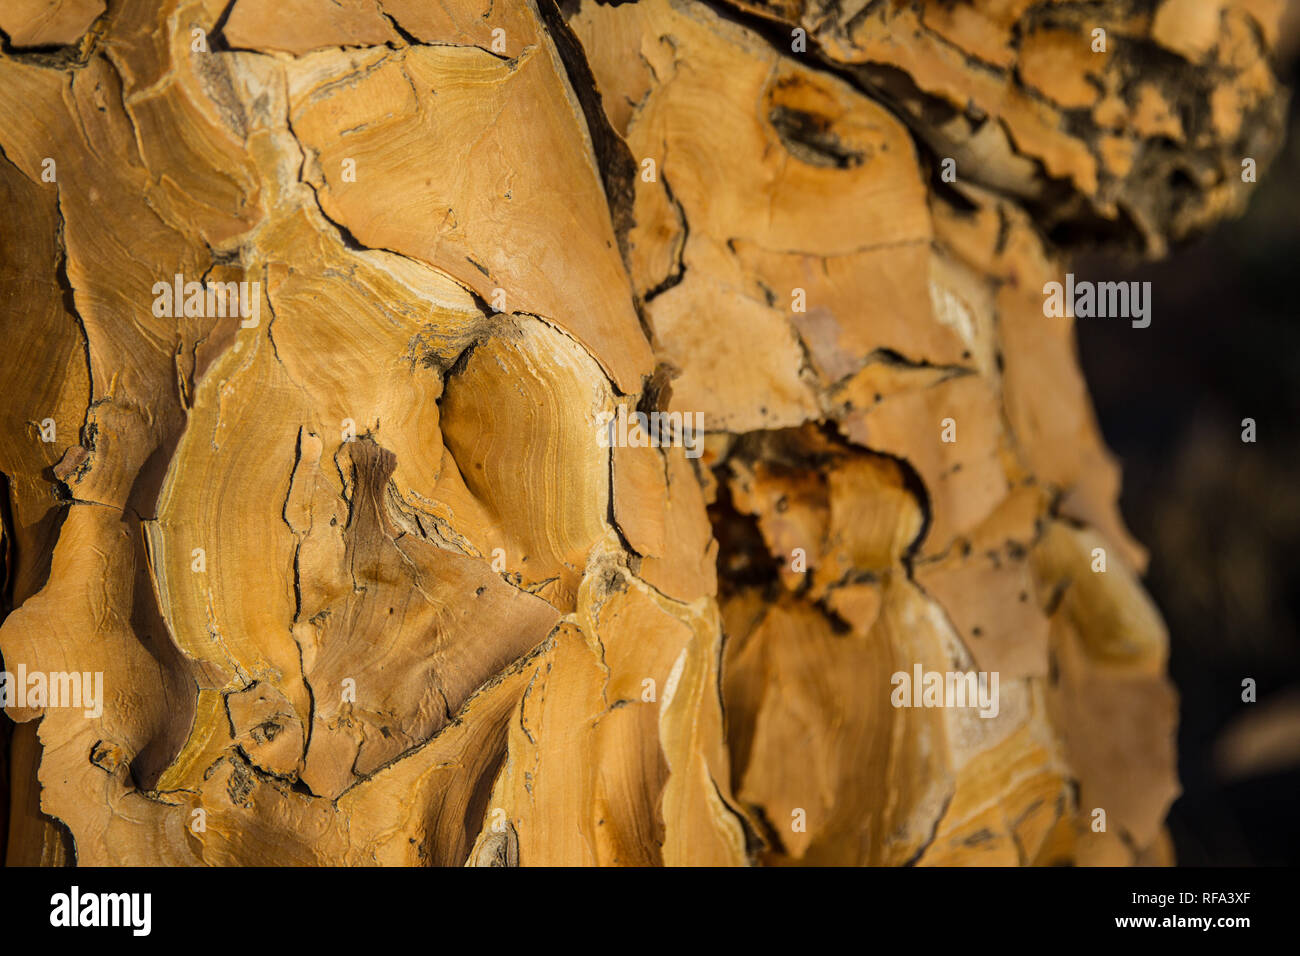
<point>320,317</point>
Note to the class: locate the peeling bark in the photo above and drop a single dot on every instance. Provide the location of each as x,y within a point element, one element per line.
<point>364,579</point>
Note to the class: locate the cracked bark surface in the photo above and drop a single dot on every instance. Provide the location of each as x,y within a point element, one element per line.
<point>363,585</point>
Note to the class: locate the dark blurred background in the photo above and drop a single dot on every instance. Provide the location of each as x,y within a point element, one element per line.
<point>1220,518</point>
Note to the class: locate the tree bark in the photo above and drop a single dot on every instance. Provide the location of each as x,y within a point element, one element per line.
<point>328,326</point>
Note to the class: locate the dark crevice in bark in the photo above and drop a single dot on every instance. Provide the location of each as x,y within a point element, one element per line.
<point>808,137</point>
<point>217,42</point>
<point>617,166</point>
<point>674,278</point>
<point>744,561</point>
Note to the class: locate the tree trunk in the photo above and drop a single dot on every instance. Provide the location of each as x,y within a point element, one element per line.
<point>341,342</point>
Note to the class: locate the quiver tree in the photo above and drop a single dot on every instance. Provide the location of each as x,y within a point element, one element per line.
<point>319,320</point>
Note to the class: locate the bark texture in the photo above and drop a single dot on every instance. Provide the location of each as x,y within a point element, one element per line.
<point>362,582</point>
